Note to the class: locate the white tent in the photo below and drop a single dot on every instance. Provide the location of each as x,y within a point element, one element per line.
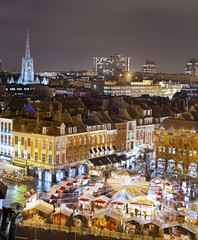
<point>40,205</point>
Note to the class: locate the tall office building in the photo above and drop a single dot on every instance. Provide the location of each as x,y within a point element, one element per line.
<point>192,67</point>
<point>111,66</point>
<point>149,67</point>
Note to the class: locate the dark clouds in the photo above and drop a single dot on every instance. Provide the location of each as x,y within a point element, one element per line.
<point>65,34</point>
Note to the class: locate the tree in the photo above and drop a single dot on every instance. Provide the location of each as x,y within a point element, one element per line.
<point>143,161</point>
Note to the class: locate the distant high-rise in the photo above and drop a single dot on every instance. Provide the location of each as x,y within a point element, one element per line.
<point>0,66</point>
<point>192,67</point>
<point>149,67</point>
<point>111,66</point>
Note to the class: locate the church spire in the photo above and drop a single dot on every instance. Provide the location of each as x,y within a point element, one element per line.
<point>27,50</point>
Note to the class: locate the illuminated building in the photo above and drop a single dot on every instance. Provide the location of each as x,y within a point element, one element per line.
<point>149,67</point>
<point>112,66</point>
<point>51,149</point>
<point>136,89</point>
<point>192,67</point>
<point>176,144</point>
<point>6,125</point>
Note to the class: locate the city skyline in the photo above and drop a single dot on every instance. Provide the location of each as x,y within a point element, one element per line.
<point>65,36</point>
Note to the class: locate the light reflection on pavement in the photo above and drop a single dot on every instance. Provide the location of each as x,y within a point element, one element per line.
<point>16,191</point>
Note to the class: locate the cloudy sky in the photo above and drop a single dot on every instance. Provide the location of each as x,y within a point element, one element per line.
<point>66,34</point>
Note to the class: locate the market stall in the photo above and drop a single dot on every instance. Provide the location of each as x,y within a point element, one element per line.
<point>107,219</point>
<point>85,203</point>
<point>141,206</point>
<point>61,214</point>
<point>100,202</point>
<point>40,209</point>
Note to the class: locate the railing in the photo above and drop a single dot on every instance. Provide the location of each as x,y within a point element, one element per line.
<point>86,231</point>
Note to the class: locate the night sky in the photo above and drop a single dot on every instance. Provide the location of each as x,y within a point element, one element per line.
<point>66,34</point>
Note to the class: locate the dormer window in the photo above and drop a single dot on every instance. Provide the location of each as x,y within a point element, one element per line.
<point>74,129</point>
<point>109,126</point>
<point>69,130</point>
<point>44,130</point>
<point>98,127</point>
<point>62,131</point>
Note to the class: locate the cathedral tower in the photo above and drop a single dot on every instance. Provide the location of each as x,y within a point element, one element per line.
<point>27,70</point>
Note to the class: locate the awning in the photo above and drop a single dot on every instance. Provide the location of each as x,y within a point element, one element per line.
<point>114,158</point>
<point>124,157</point>
<point>95,150</point>
<point>108,148</point>
<point>104,148</point>
<point>100,149</point>
<point>100,161</point>
<point>114,147</point>
<point>90,151</point>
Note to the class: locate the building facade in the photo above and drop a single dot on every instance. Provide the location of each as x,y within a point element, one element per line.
<point>191,67</point>
<point>149,67</point>
<point>112,66</point>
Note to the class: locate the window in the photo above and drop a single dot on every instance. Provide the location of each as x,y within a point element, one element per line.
<point>173,151</point>
<point>94,140</point>
<point>85,155</point>
<point>137,134</point>
<point>57,158</point>
<point>16,140</point>
<point>119,137</point>
<point>5,138</point>
<point>63,144</point>
<point>74,142</point>
<point>69,143</point>
<point>169,150</point>
<point>160,149</point>
<point>50,158</point>
<point>43,144</point>
<point>43,157</point>
<point>1,126</point>
<point>28,155</point>
<point>29,142</point>
<point>171,140</point>
<point>57,146</point>
<point>36,156</point>
<point>50,145</point>
<point>5,126</point>
<point>16,152</point>
<point>74,156</point>
<point>108,138</point>
<point>103,138</point>
<point>113,137</point>
<point>69,157</point>
<point>141,133</point>
<point>9,126</point>
<point>1,138</point>
<point>85,140</point>
<point>98,139</point>
<point>36,143</point>
<point>122,147</point>
<point>123,136</point>
<point>80,141</point>
<point>22,141</point>
<point>164,149</point>
<point>161,139</point>
<point>80,155</point>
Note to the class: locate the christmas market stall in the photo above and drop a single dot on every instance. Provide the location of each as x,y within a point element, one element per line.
<point>141,206</point>
<point>37,211</point>
<point>100,202</point>
<point>85,203</point>
<point>61,214</point>
<point>120,200</point>
<point>107,219</point>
